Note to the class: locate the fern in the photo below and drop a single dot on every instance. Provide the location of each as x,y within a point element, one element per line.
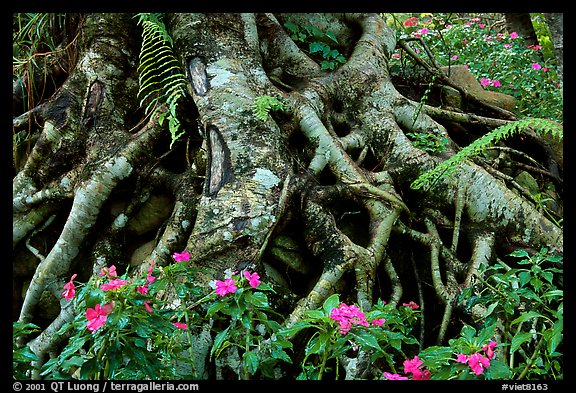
<point>263,105</point>
<point>161,81</point>
<point>541,126</point>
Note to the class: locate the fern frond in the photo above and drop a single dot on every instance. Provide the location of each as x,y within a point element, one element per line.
<point>447,167</point>
<point>159,74</point>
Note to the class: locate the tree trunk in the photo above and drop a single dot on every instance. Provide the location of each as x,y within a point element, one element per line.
<point>314,194</point>
<point>556,27</point>
<point>521,23</point>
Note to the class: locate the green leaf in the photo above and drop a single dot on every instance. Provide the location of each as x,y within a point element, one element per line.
<point>519,339</point>
<point>317,344</point>
<point>557,336</point>
<point>498,370</point>
<point>90,369</point>
<point>317,47</point>
<point>519,254</point>
<point>526,316</point>
<point>219,342</point>
<point>251,360</point>
<point>330,303</point>
<point>366,340</point>
<point>257,299</point>
<point>295,328</point>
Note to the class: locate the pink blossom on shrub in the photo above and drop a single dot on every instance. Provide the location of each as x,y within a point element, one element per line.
<point>69,288</point>
<point>411,304</point>
<point>225,287</point>
<point>182,256</point>
<point>253,279</point>
<point>113,284</point>
<point>97,316</point>
<point>394,377</point>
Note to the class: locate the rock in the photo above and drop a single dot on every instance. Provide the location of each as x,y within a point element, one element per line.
<point>461,76</point>
<point>527,181</point>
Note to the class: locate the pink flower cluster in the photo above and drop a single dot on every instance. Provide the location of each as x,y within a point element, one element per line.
<point>346,316</point>
<point>413,367</point>
<point>143,289</point>
<point>477,361</point>
<point>229,284</point>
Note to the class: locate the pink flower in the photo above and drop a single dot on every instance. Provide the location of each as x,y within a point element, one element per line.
<point>147,306</point>
<point>97,316</point>
<point>180,325</point>
<point>489,349</point>
<point>536,66</point>
<point>477,363</point>
<point>110,272</point>
<point>253,279</point>
<point>394,377</point>
<point>414,366</point>
<point>484,82</point>
<point>142,289</point>
<point>396,55</point>
<point>378,322</point>
<point>507,46</point>
<point>424,31</point>
<point>69,288</point>
<point>513,35</point>
<point>455,57</point>
<point>113,284</point>
<point>496,83</point>
<point>461,358</point>
<point>481,25</point>
<point>346,316</point>
<point>183,256</point>
<point>225,287</point>
<point>411,304</point>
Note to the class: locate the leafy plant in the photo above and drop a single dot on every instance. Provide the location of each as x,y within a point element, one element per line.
<point>317,43</point>
<point>22,355</point>
<point>528,303</point>
<point>162,83</point>
<point>244,326</point>
<point>339,328</point>
<point>450,165</point>
<point>264,104</point>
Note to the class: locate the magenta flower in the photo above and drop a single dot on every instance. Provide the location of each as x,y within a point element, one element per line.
<point>536,66</point>
<point>147,306</point>
<point>225,287</point>
<point>484,82</point>
<point>411,304</point>
<point>424,31</point>
<point>346,316</point>
<point>69,288</point>
<point>489,349</point>
<point>513,35</point>
<point>183,256</point>
<point>507,46</point>
<point>113,284</point>
<point>142,289</point>
<point>253,280</point>
<point>477,363</point>
<point>110,272</point>
<point>414,367</point>
<point>378,322</point>
<point>394,377</point>
<point>97,316</point>
<point>496,83</point>
<point>461,358</point>
<point>180,325</point>
<point>455,57</point>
